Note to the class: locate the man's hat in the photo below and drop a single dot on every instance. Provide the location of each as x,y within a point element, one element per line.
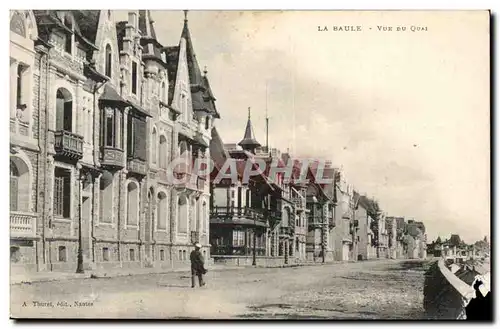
<point>197,245</point>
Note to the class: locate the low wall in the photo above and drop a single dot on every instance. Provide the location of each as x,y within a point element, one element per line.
<point>248,260</point>
<point>445,295</point>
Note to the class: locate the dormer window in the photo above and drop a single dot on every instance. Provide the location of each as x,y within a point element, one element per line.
<point>108,61</point>
<point>68,45</point>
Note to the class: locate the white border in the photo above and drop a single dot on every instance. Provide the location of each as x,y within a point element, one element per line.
<point>218,4</point>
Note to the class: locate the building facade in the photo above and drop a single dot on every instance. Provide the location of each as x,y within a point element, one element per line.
<point>101,109</point>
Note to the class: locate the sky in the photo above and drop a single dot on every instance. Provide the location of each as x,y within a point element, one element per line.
<point>405,114</point>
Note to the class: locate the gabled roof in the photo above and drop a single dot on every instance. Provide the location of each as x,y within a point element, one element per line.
<point>85,27</point>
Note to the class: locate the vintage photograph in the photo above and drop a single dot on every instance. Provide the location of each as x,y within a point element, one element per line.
<point>226,164</point>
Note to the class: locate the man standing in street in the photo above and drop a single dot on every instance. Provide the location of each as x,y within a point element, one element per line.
<point>197,266</point>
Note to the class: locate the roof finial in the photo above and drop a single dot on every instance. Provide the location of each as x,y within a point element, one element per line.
<point>249,113</point>
<point>205,70</point>
<point>185,15</point>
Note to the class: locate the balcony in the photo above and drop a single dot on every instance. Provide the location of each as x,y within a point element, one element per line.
<point>112,157</point>
<point>246,212</point>
<point>22,225</point>
<point>315,220</point>
<point>137,166</point>
<point>68,145</point>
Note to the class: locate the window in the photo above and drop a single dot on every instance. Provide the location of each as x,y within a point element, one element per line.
<point>68,45</point>
<point>207,122</point>
<point>15,254</point>
<point>182,217</point>
<point>62,192</point>
<point>19,88</point>
<point>153,146</point>
<point>105,254</point>
<point>238,238</point>
<point>134,78</point>
<point>64,110</point>
<point>62,254</point>
<point>109,61</point>
<point>162,254</point>
<point>239,197</point>
<point>106,197</point>
<point>132,255</point>
<point>184,254</point>
<point>180,254</point>
<point>203,224</point>
<point>132,204</point>
<point>14,187</point>
<point>163,92</point>
<point>163,152</point>
<point>162,211</point>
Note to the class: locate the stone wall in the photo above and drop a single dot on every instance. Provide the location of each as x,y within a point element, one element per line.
<point>445,295</point>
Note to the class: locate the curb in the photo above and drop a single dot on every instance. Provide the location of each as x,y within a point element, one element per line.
<point>104,275</point>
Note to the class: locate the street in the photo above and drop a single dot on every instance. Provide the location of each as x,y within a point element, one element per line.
<point>382,289</point>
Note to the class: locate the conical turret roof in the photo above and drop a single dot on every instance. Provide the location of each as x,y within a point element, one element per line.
<point>249,142</point>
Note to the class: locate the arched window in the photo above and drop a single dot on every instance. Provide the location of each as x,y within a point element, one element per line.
<point>182,214</point>
<point>163,152</point>
<point>207,122</point>
<point>162,210</point>
<point>154,146</point>
<point>109,61</point>
<point>14,186</point>
<point>68,44</point>
<point>20,190</point>
<point>64,110</point>
<point>17,24</point>
<point>132,204</point>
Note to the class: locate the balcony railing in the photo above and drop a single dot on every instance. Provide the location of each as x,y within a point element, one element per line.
<point>68,144</point>
<point>137,166</point>
<point>250,213</point>
<point>112,156</point>
<point>22,224</point>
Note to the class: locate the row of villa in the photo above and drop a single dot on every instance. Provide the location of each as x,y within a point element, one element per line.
<point>100,108</point>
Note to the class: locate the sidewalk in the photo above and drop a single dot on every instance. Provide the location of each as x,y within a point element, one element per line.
<point>29,278</point>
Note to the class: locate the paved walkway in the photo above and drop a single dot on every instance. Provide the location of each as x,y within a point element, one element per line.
<point>385,289</point>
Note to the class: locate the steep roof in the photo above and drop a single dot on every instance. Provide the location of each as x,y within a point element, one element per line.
<point>152,49</point>
<point>249,141</point>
